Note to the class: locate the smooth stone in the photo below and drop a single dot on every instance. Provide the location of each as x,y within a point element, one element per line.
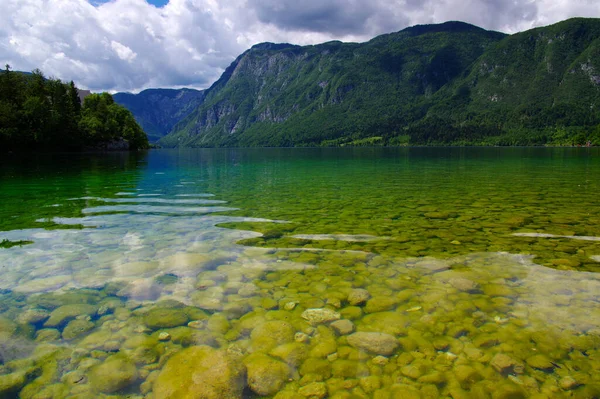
<point>343,327</point>
<point>65,313</point>
<point>43,284</point>
<point>201,372</point>
<point>567,383</point>
<point>164,336</point>
<point>358,296</point>
<point>77,328</point>
<point>47,334</point>
<point>293,353</point>
<point>541,362</point>
<point>373,342</point>
<point>11,384</point>
<point>466,376</point>
<point>386,322</point>
<point>320,316</point>
<point>115,373</point>
<point>463,284</point>
<point>165,318</point>
<point>270,334</point>
<point>314,390</point>
<point>381,304</point>
<point>33,316</point>
<point>504,364</point>
<point>266,375</point>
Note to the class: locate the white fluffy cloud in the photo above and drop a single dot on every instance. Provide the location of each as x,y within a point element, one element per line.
<point>130,44</point>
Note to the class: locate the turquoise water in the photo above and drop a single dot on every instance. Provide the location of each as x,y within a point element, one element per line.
<point>375,273</point>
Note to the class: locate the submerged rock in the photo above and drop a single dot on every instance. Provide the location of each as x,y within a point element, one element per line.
<point>541,362</point>
<point>77,328</point>
<point>65,313</point>
<point>505,365</point>
<point>115,373</point>
<point>33,316</point>
<point>165,318</point>
<point>266,375</point>
<point>201,372</point>
<point>343,327</point>
<point>358,296</point>
<point>376,343</point>
<point>271,334</point>
<point>320,316</point>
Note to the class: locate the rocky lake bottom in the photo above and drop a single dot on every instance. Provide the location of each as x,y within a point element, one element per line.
<point>389,273</point>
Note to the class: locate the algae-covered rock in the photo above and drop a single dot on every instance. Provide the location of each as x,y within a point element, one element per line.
<point>201,372</point>
<point>165,318</point>
<point>314,390</point>
<point>33,316</point>
<point>142,349</point>
<point>293,354</point>
<point>270,334</point>
<point>115,373</point>
<point>47,334</point>
<point>321,367</point>
<point>11,384</point>
<point>351,312</point>
<point>77,328</point>
<point>505,365</point>
<point>187,336</point>
<point>373,342</point>
<point>358,296</point>
<point>288,395</point>
<point>324,342</point>
<point>466,375</point>
<point>385,322</point>
<point>65,313</point>
<point>508,390</point>
<point>343,368</point>
<point>381,304</point>
<point>266,375</point>
<point>541,362</point>
<point>320,316</point>
<point>343,327</point>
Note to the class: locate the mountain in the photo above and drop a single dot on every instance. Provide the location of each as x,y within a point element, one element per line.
<point>450,83</point>
<point>158,110</point>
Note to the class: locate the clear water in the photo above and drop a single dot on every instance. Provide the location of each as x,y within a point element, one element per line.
<point>479,263</point>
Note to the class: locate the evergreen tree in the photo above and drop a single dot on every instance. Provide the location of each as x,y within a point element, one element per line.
<point>41,113</point>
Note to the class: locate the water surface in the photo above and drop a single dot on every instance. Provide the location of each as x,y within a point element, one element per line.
<point>472,271</point>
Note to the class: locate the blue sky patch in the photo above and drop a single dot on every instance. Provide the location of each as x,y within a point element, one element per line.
<point>156,3</point>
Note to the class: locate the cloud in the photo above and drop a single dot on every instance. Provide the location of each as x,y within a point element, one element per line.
<point>131,44</point>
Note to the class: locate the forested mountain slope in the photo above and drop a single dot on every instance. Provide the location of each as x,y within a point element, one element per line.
<point>451,83</point>
<point>158,110</point>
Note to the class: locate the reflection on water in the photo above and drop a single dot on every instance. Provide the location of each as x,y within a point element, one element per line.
<point>310,274</point>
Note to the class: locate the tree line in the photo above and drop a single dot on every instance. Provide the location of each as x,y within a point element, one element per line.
<point>40,113</point>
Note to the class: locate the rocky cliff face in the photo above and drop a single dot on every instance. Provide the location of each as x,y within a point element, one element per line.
<point>158,110</point>
<point>333,93</point>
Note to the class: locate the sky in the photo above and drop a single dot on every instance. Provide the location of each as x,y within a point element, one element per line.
<point>130,45</point>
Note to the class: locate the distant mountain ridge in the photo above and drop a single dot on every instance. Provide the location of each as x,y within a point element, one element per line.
<point>158,110</point>
<point>451,83</point>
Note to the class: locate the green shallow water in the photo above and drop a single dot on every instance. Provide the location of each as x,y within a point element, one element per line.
<point>293,273</point>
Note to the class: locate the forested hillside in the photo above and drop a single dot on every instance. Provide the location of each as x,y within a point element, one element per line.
<point>158,110</point>
<point>37,113</point>
<point>452,83</point>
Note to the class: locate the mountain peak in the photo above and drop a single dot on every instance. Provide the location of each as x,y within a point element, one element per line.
<point>272,46</point>
<point>450,26</point>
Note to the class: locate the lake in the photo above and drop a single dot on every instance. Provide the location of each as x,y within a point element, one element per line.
<point>301,273</point>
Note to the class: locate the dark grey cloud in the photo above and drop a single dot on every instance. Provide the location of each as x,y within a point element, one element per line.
<point>338,17</point>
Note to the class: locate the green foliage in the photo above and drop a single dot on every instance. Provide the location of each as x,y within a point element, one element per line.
<point>46,114</point>
<point>9,244</point>
<point>448,84</point>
